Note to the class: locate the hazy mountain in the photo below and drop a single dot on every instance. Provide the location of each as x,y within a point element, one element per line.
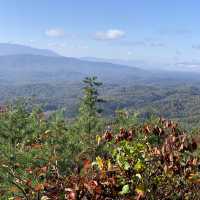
<point>21,65</point>
<point>151,65</point>
<point>132,63</point>
<point>17,49</point>
<point>28,68</point>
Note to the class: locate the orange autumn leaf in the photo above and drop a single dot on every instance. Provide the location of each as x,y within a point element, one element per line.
<point>36,146</point>
<point>17,198</point>
<point>86,165</point>
<point>38,187</point>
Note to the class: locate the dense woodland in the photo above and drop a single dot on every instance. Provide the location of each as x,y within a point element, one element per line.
<point>100,153</point>
<point>178,101</point>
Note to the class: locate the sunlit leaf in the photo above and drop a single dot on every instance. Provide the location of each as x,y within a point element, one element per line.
<point>125,189</point>
<point>139,166</point>
<point>100,163</point>
<point>98,139</point>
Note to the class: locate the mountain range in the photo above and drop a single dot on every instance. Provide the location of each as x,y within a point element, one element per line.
<point>53,81</point>
<point>17,49</point>
<point>21,64</point>
<point>151,65</point>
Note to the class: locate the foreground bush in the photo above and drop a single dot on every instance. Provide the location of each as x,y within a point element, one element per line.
<point>153,161</point>
<point>150,162</point>
<point>50,158</point>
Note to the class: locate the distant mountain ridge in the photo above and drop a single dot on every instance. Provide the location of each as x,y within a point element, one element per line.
<point>150,65</point>
<point>132,63</point>
<point>39,68</point>
<point>26,65</point>
<point>18,49</point>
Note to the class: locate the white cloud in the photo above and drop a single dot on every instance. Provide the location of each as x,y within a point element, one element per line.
<point>32,41</point>
<point>112,34</point>
<point>55,32</point>
<point>130,53</point>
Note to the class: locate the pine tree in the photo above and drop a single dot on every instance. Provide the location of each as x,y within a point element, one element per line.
<point>88,110</point>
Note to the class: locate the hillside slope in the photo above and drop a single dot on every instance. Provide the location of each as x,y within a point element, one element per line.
<point>18,49</point>
<point>29,68</point>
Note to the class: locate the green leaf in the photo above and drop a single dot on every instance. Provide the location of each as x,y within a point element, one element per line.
<point>125,189</point>
<point>126,166</point>
<point>139,166</point>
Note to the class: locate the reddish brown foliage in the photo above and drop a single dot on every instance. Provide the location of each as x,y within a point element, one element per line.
<point>165,169</point>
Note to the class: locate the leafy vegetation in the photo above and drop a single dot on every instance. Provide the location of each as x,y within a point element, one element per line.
<point>178,102</point>
<point>92,157</point>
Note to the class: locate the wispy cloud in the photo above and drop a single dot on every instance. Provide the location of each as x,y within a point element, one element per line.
<point>142,43</point>
<point>32,41</point>
<point>129,53</point>
<point>178,52</point>
<point>112,34</point>
<point>189,64</point>
<point>130,43</point>
<point>196,46</point>
<point>55,32</point>
<point>62,46</point>
<point>178,32</point>
<point>56,45</point>
<point>157,44</point>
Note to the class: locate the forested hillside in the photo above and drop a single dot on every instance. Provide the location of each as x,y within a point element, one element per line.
<point>177,101</point>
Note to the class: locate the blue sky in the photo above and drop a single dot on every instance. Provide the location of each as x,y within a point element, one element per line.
<point>150,30</point>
